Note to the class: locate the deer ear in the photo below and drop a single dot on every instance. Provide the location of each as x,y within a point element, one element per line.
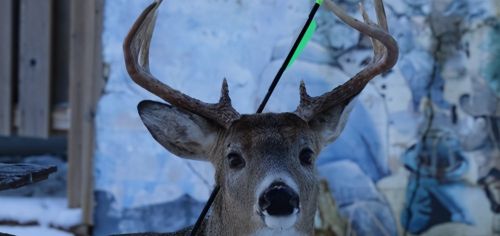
<point>184,134</point>
<point>330,123</point>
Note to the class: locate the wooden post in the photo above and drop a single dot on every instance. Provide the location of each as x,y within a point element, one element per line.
<point>6,56</point>
<point>35,67</point>
<point>86,81</point>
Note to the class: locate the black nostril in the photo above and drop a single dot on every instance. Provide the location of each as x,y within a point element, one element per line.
<point>263,202</point>
<point>279,200</point>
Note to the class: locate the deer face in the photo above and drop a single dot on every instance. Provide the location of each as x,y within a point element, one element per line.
<point>268,162</point>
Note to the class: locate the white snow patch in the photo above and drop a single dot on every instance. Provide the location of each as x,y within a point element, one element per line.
<point>32,231</point>
<point>44,211</point>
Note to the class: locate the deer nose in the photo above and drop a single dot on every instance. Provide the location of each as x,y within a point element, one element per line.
<point>279,200</point>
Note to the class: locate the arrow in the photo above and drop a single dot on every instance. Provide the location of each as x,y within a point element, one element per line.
<point>299,45</point>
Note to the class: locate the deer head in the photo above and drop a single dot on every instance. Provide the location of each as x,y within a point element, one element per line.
<point>264,163</point>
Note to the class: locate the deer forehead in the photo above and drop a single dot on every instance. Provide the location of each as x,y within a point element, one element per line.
<point>258,132</point>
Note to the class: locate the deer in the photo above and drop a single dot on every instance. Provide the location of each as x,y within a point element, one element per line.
<point>264,163</point>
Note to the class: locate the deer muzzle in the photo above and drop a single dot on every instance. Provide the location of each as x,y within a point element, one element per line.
<point>279,200</point>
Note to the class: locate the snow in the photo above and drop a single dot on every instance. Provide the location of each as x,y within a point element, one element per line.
<point>32,231</point>
<point>44,211</point>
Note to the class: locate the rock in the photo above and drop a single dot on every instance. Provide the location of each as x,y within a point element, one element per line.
<point>482,102</point>
<point>161,217</point>
<point>370,218</point>
<point>364,208</point>
<point>402,30</point>
<point>368,156</point>
<point>417,68</point>
<point>398,6</point>
<point>340,36</point>
<point>348,183</point>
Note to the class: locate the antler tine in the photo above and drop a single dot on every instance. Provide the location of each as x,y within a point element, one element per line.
<point>381,16</point>
<point>385,57</point>
<point>136,51</point>
<point>378,48</point>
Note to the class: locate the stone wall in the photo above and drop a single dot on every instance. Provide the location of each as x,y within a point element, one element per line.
<point>420,138</point>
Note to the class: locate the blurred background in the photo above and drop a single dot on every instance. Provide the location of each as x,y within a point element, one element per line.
<point>420,154</point>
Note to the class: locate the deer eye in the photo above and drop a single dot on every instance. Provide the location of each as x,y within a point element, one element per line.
<point>306,156</point>
<point>235,161</point>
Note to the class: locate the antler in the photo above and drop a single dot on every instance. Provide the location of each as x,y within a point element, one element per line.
<point>136,50</point>
<point>385,50</point>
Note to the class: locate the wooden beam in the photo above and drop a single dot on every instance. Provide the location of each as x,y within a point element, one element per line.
<point>6,45</point>
<point>35,67</point>
<point>18,175</point>
<point>59,118</point>
<point>78,54</point>
<point>95,88</point>
<point>86,82</point>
